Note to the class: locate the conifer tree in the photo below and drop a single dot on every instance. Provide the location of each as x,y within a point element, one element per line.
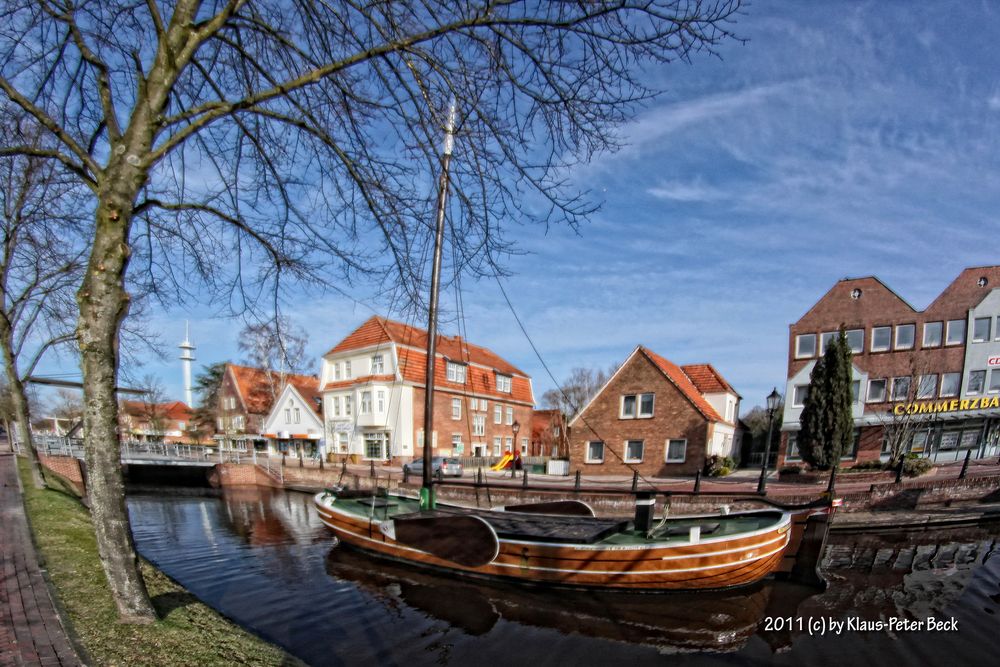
<point>827,426</point>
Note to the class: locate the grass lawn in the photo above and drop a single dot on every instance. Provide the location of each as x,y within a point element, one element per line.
<point>188,632</point>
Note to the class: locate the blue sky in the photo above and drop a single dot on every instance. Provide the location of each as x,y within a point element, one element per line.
<point>843,139</point>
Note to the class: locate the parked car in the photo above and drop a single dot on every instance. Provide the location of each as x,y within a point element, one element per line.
<point>447,467</point>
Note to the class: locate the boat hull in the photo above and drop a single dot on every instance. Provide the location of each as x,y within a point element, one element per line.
<point>710,564</point>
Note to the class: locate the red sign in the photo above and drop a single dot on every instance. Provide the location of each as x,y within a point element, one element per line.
<point>993,361</point>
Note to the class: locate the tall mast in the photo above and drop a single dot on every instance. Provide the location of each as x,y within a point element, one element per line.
<point>427,491</point>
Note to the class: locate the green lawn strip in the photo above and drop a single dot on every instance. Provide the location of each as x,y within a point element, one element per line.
<point>188,632</point>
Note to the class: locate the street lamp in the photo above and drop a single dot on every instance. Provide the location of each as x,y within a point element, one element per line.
<point>772,405</point>
<point>515,427</point>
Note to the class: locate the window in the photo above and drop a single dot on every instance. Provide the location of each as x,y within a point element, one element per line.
<point>876,391</point>
<point>510,416</point>
<point>456,408</point>
<point>805,346</point>
<point>994,381</point>
<point>497,445</point>
<point>479,425</point>
<point>503,383</point>
<point>457,447</point>
<point>473,403</point>
<point>378,365</point>
<point>996,329</point>
<point>927,386</point>
<point>366,402</point>
<point>932,334</point>
<point>956,332</point>
<point>628,407</point>
<point>855,391</point>
<point>856,340</point>
<point>342,442</point>
<point>981,329</point>
<point>375,444</point>
<point>900,388</point>
<point>347,370</point>
<point>347,406</point>
<point>792,454</point>
<point>881,338</point>
<point>825,339</point>
<point>381,401</point>
<point>456,372</point>
<point>509,443</point>
<point>336,406</point>
<point>676,451</point>
<point>905,334</point>
<point>595,452</point>
<point>646,405</point>
<point>298,416</point>
<point>950,384</point>
<point>633,451</point>
<point>976,381</point>
<point>221,427</point>
<point>799,395</point>
<point>288,415</point>
<point>336,371</point>
<point>483,405</point>
<point>497,414</point>
<point>524,445</point>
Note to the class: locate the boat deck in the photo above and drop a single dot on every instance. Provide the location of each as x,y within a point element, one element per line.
<point>564,529</point>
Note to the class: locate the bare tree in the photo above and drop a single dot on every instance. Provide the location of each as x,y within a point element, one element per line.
<point>902,418</point>
<point>246,144</point>
<point>67,404</point>
<point>154,405</point>
<point>276,345</point>
<point>577,390</point>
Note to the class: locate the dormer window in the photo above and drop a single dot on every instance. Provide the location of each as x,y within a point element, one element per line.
<point>456,372</point>
<point>503,383</point>
<point>378,364</point>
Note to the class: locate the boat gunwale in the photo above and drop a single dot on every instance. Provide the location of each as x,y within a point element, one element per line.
<point>783,521</point>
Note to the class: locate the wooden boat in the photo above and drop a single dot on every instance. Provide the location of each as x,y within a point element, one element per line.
<point>683,553</point>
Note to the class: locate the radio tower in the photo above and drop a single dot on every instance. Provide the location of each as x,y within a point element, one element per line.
<point>187,356</point>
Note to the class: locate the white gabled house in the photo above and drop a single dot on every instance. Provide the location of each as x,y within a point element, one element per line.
<point>295,423</point>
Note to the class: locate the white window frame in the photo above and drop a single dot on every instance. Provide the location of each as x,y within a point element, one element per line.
<point>989,329</point>
<point>795,394</point>
<point>484,405</point>
<point>965,333</point>
<point>473,404</point>
<point>635,404</point>
<point>798,345</point>
<point>510,416</point>
<point>921,394</point>
<point>348,405</point>
<point>587,458</point>
<point>982,389</point>
<point>336,371</point>
<point>366,403</point>
<point>994,372</point>
<point>885,390</point>
<point>380,400</point>
<point>906,394</point>
<point>497,445</point>
<point>923,340</point>
<point>642,451</point>
<point>958,387</point>
<point>524,446</point>
<point>860,348</point>
<point>456,409</point>
<point>378,364</point>
<point>479,425</point>
<point>503,383</point>
<point>456,441</point>
<point>639,413</point>
<point>666,451</point>
<point>888,345</point>
<point>298,416</point>
<point>347,369</point>
<point>497,413</point>
<point>455,372</point>
<point>508,443</point>
<point>335,402</point>
<point>825,338</point>
<point>895,338</point>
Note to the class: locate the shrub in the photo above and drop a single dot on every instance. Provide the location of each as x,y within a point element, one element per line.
<point>791,470</point>
<point>719,466</point>
<point>866,466</point>
<point>915,465</point>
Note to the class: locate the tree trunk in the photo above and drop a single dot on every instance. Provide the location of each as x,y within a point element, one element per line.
<point>103,305</point>
<point>21,411</point>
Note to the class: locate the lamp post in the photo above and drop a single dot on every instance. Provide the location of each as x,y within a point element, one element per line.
<point>772,404</point>
<point>515,427</point>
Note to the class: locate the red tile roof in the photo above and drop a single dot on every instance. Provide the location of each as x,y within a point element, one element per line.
<point>543,420</point>
<point>173,410</point>
<point>255,387</point>
<point>413,362</point>
<point>707,379</point>
<point>683,383</point>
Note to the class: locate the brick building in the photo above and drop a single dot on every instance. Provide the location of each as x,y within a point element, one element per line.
<point>373,385</point>
<point>548,434</point>
<point>657,417</point>
<point>246,397</point>
<point>168,422</point>
<point>933,375</point>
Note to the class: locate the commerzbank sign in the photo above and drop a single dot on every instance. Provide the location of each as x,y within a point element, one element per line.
<point>954,405</point>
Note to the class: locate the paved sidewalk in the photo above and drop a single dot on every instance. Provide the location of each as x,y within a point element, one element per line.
<point>30,630</point>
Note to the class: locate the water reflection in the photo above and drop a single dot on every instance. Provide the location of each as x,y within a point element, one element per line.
<point>262,558</point>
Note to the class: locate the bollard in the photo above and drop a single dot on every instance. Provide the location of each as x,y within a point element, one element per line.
<point>524,479</point>
<point>372,471</point>
<point>320,462</point>
<point>576,484</point>
<point>302,460</point>
<point>343,467</point>
<point>479,476</point>
<point>635,480</point>
<point>697,481</point>
<point>284,456</point>
<point>965,465</point>
<point>899,472</point>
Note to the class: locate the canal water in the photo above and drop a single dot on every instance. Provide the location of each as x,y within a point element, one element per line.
<point>262,558</point>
